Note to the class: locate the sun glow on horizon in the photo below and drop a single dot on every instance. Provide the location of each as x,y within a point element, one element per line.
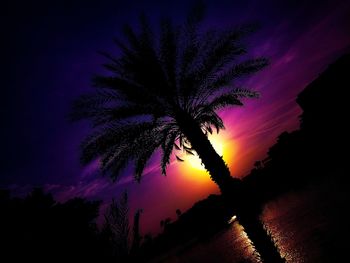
<point>194,160</point>
<point>192,167</point>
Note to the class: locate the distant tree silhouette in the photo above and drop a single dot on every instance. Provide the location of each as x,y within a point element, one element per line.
<point>136,232</point>
<point>165,223</point>
<point>116,228</point>
<point>258,164</point>
<point>39,229</point>
<point>117,223</point>
<point>178,212</point>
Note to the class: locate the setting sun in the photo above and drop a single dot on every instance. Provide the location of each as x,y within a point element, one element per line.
<point>195,162</point>
<point>224,146</point>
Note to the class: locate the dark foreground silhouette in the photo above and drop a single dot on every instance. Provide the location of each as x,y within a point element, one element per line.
<point>305,157</point>
<point>40,229</point>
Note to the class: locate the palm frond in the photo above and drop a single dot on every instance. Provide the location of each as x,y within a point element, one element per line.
<point>189,152</point>
<point>177,147</point>
<point>179,159</point>
<point>110,136</point>
<point>106,115</point>
<point>210,117</point>
<point>147,36</point>
<point>131,37</point>
<point>185,70</point>
<point>167,148</point>
<point>86,105</point>
<point>143,156</point>
<point>168,51</point>
<point>225,100</point>
<point>189,48</point>
<point>242,69</point>
<point>129,150</point>
<point>114,168</point>
<point>245,93</point>
<point>117,220</point>
<point>221,50</point>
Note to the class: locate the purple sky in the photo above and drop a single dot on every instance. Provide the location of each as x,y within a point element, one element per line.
<point>50,57</point>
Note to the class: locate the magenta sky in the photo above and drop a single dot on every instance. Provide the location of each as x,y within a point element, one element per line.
<point>56,58</point>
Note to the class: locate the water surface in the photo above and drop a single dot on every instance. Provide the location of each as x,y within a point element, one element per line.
<point>309,226</point>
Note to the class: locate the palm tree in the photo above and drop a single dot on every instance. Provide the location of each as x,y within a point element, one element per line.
<point>164,92</point>
<point>117,226</point>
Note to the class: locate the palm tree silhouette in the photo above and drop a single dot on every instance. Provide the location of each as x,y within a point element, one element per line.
<point>164,92</point>
<point>167,92</point>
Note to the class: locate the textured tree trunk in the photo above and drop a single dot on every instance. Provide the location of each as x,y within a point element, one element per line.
<point>261,240</point>
<point>245,207</point>
<point>213,163</point>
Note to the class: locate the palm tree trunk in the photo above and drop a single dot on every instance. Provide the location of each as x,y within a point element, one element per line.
<point>247,210</point>
<point>261,240</point>
<point>213,163</point>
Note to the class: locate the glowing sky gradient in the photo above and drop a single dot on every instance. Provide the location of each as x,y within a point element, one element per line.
<point>52,56</point>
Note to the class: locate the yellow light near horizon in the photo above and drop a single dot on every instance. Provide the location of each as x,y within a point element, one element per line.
<point>192,167</point>
<point>195,162</point>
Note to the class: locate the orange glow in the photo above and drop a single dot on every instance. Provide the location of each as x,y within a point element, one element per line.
<point>192,167</point>
<point>194,161</point>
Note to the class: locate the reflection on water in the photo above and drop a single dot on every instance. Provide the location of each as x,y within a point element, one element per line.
<point>227,246</point>
<point>306,226</point>
<point>310,226</point>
